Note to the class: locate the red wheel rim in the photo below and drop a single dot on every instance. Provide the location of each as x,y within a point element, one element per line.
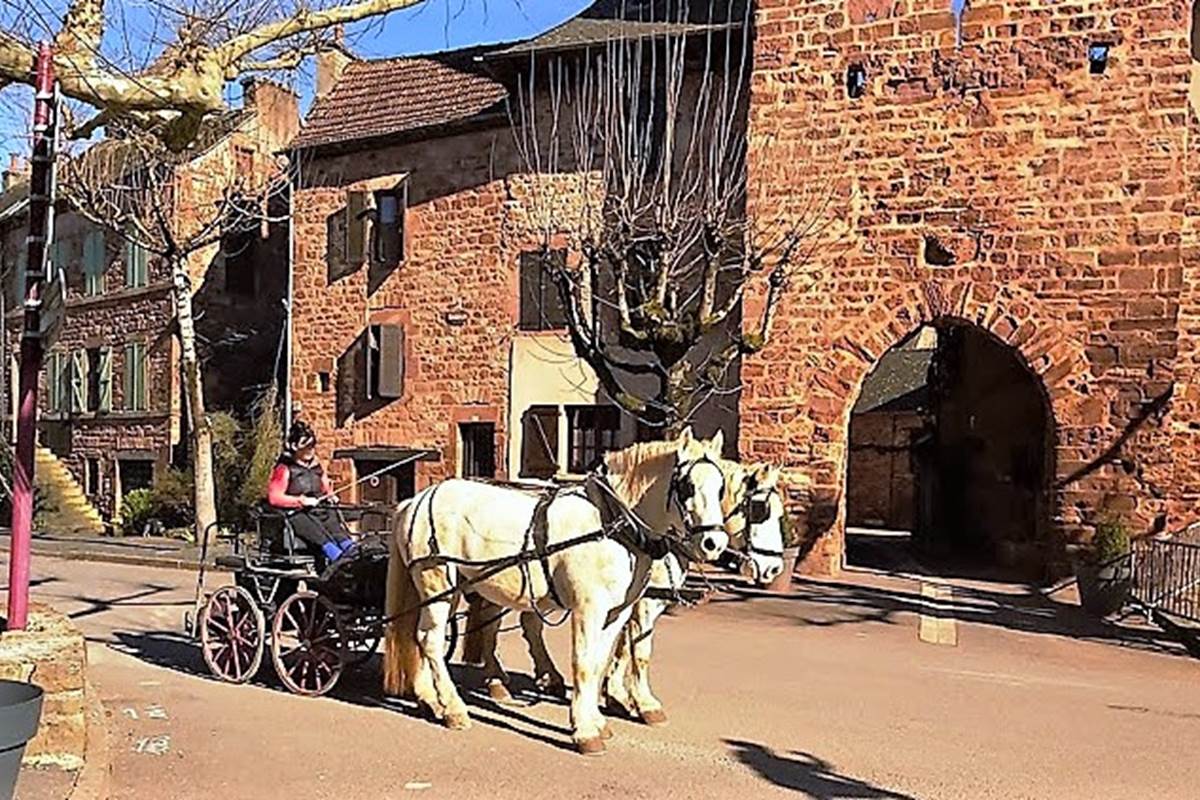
<point>306,644</point>
<point>232,630</point>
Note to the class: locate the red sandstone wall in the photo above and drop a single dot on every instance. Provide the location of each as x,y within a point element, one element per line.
<point>1062,194</point>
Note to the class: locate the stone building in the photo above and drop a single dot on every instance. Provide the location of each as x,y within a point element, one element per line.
<point>112,411</point>
<point>1015,177</point>
<point>1021,177</point>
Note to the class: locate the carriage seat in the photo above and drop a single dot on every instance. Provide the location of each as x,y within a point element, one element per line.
<point>277,542</point>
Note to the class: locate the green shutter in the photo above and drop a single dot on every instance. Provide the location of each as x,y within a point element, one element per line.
<point>93,263</point>
<point>135,376</point>
<point>53,387</point>
<point>137,272</point>
<point>105,370</point>
<point>79,381</point>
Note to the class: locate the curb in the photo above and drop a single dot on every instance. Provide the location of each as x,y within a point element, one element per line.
<point>133,561</point>
<point>94,781</point>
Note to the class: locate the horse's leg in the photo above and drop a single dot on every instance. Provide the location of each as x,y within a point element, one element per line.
<point>547,676</point>
<point>649,707</point>
<point>494,676</point>
<point>620,671</point>
<point>593,645</point>
<point>431,637</point>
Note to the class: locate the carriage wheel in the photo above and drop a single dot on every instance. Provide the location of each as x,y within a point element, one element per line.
<point>306,644</point>
<point>232,631</point>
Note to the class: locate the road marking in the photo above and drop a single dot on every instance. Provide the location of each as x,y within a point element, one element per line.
<point>156,712</point>
<point>417,786</point>
<point>153,745</point>
<point>933,629</point>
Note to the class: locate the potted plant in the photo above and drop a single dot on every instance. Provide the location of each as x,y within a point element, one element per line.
<point>1103,573</point>
<point>791,554</point>
<point>20,710</point>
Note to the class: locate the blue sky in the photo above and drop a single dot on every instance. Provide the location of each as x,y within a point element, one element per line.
<point>432,26</point>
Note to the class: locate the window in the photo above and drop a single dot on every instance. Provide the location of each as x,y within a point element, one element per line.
<point>244,160</point>
<point>93,263</point>
<point>137,266</point>
<point>388,239</point>
<point>392,486</point>
<point>135,473</point>
<point>385,362</point>
<point>238,251</point>
<point>539,442</point>
<point>91,476</point>
<point>99,379</point>
<point>134,377</point>
<point>478,449</point>
<point>591,432</point>
<point>54,382</point>
<point>541,306</point>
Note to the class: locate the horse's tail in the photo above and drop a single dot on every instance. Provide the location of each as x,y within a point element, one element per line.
<point>473,642</point>
<point>401,655</point>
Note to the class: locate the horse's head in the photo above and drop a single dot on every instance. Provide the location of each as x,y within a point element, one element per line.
<point>754,514</point>
<point>696,491</point>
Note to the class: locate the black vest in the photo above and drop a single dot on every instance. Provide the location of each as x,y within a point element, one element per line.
<point>303,481</point>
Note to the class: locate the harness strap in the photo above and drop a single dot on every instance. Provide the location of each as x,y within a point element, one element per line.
<point>539,534</point>
<point>620,522</point>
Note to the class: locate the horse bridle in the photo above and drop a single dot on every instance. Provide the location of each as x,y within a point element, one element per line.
<point>756,509</point>
<point>681,489</point>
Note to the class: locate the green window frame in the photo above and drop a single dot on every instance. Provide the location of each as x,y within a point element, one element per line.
<point>93,263</point>
<point>137,265</point>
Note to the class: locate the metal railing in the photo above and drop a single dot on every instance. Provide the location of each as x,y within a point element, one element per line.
<point>1166,576</point>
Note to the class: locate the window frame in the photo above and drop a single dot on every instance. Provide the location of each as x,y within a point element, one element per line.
<point>536,312</point>
<point>583,442</point>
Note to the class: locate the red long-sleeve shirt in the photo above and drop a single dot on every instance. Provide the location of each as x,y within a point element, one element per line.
<point>277,489</point>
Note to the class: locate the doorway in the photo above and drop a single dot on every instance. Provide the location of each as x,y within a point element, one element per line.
<point>478,448</point>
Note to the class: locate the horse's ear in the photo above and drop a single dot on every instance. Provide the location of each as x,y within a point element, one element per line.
<point>773,477</point>
<point>685,437</point>
<point>716,445</point>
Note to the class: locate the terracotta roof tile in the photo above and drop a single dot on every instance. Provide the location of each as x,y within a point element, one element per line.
<point>397,95</point>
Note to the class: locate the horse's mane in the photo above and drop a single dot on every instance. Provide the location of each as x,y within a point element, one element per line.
<point>734,473</point>
<point>636,467</point>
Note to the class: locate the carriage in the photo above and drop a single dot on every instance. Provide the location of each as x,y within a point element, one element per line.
<point>315,619</point>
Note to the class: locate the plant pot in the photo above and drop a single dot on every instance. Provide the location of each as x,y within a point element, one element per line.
<point>1104,588</point>
<point>20,710</point>
<point>783,582</point>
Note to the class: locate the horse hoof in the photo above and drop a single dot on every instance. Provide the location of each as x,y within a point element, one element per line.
<point>590,747</point>
<point>457,722</point>
<point>655,717</point>
<point>500,693</point>
<point>606,732</point>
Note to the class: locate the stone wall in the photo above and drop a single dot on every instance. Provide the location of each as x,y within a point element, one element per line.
<point>51,654</point>
<point>986,175</point>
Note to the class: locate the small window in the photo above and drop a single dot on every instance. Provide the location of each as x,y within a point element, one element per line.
<point>388,237</point>
<point>134,377</point>
<point>244,160</point>
<point>137,266</point>
<point>385,362</point>
<point>91,476</point>
<point>592,431</point>
<point>94,257</point>
<point>539,442</point>
<point>136,473</point>
<point>541,305</point>
<point>478,449</point>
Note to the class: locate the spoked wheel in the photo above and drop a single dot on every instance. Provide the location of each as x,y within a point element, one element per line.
<point>306,644</point>
<point>232,631</point>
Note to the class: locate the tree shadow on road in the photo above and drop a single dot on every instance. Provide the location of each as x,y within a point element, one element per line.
<point>804,772</point>
<point>827,603</point>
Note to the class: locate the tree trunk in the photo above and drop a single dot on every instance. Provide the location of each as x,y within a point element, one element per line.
<point>193,386</point>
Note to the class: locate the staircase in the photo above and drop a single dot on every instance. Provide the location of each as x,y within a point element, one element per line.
<point>67,507</point>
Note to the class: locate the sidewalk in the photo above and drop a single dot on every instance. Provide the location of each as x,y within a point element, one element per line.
<point>150,551</point>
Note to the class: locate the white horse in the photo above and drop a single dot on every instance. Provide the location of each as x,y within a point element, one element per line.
<point>753,512</point>
<point>464,533</point>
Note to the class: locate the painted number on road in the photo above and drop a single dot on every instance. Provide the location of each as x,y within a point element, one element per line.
<point>153,745</point>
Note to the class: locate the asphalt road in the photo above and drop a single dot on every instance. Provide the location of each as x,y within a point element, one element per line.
<point>825,694</point>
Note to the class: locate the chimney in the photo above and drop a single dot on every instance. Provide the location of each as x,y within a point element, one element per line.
<point>277,108</point>
<point>332,62</point>
<point>16,173</point>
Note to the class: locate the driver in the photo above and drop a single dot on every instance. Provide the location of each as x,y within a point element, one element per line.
<point>299,484</point>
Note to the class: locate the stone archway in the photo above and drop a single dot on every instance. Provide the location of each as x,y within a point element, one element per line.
<point>1047,345</point>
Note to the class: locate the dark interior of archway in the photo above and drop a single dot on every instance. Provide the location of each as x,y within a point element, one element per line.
<point>948,467</point>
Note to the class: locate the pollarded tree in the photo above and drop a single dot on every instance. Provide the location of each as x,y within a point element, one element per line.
<point>637,160</point>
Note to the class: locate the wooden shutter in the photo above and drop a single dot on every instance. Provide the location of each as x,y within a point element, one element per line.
<point>135,376</point>
<point>104,367</point>
<point>539,442</point>
<point>391,361</point>
<point>54,386</point>
<point>356,227</point>
<point>554,313</point>
<point>531,271</point>
<point>136,267</point>
<point>93,263</point>
<point>79,373</point>
<point>350,371</point>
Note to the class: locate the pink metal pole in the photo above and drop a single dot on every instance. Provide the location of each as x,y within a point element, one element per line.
<point>41,210</point>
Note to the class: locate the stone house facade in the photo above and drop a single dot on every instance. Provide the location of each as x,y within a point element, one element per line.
<point>1018,177</point>
<point>111,405</point>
